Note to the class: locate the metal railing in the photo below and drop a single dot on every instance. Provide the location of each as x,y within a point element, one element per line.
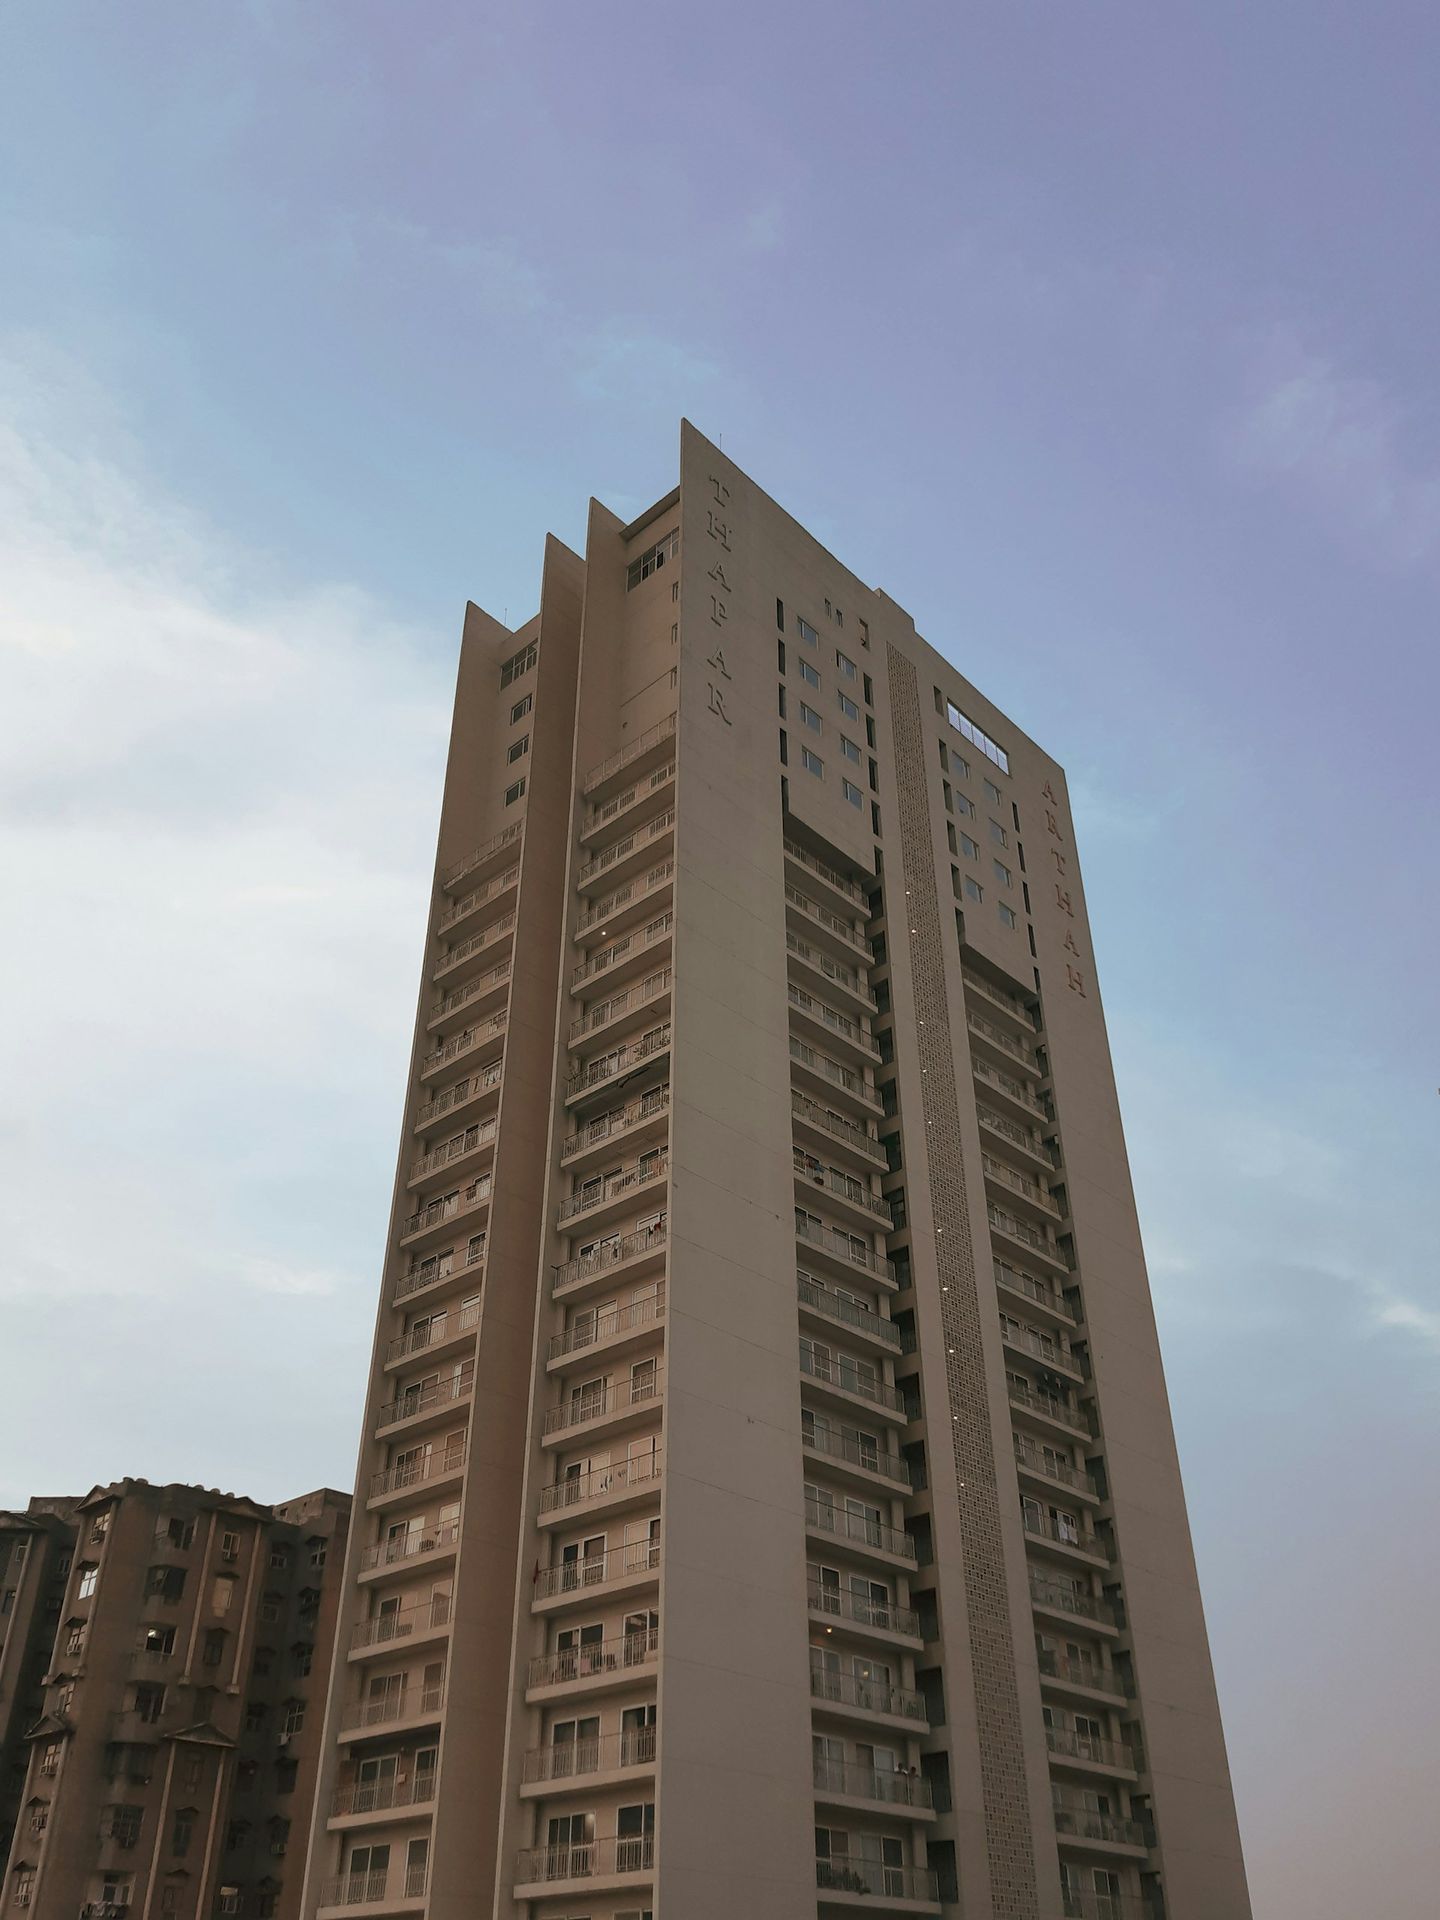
<point>429,1271</point>
<point>439,1393</point>
<point>1068,1744</point>
<point>842,1604</point>
<point>595,1402</point>
<point>628,797</point>
<point>1064,1598</point>
<point>864,1382</point>
<point>1011,1002</point>
<point>850,1873</point>
<point>1032,1237</point>
<point>837,1126</point>
<point>1042,1527</point>
<point>654,987</point>
<point>641,744</point>
<point>823,917</point>
<point>1012,1130</point>
<point>1026,1284</point>
<point>597,1570</point>
<point>595,1656</point>
<point>1016,1089</point>
<point>1029,1454</point>
<point>463,1042</point>
<point>570,1759</point>
<point>826,963</point>
<point>477,897</point>
<point>884,1784</point>
<point>844,1312</point>
<point>596,1327</point>
<point>843,1689</point>
<point>587,1198</point>
<point>410,1546</point>
<point>604,958</point>
<point>1039,1346</point>
<point>856,1253</point>
<point>832,875</point>
<point>837,1022</point>
<point>859,1529</point>
<point>595,1073</point>
<point>1084,1825</point>
<point>1081,1904</point>
<point>473,1138</point>
<point>475,989</point>
<point>832,1070</point>
<point>608,1125</point>
<point>637,838</point>
<point>998,1037</point>
<point>442,1326</point>
<point>473,943</point>
<point>1084,1673</point>
<point>451,1207</point>
<point>467,1089</point>
<point>626,1247</point>
<point>1055,1406</point>
<point>374,1796</point>
<point>659,876</point>
<point>580,1489</point>
<point>844,1185</point>
<point>407,1704</point>
<point>481,853</point>
<point>855,1453</point>
<point>416,1472</point>
<point>1020,1183</point>
<point>582,1860</point>
<point>401,1623</point>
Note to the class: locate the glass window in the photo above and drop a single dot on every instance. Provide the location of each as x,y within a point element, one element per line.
<point>651,561</point>
<point>972,847</point>
<point>845,664</point>
<point>848,706</point>
<point>521,708</point>
<point>806,632</point>
<point>849,749</point>
<point>977,737</point>
<point>518,749</point>
<point>1007,915</point>
<point>808,673</point>
<point>973,889</point>
<point>1002,873</point>
<point>812,763</point>
<point>512,794</point>
<point>852,792</point>
<point>810,718</point>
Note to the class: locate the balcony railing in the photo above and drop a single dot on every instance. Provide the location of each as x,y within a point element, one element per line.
<point>1064,1598</point>
<point>596,1656</point>
<point>586,1859</point>
<point>427,1272</point>
<point>883,1784</point>
<point>1042,1527</point>
<point>441,1327</point>
<point>1028,1454</point>
<point>409,1704</point>
<point>823,917</point>
<point>660,875</point>
<point>1007,1084</point>
<point>851,1874</point>
<point>837,1371</point>
<point>1026,1137</point>
<point>856,1453</point>
<point>1011,1002</point>
<point>843,1604</point>
<point>438,1393</point>
<point>1084,1825</point>
<point>470,1141</point>
<point>414,1473</point>
<point>611,1253</point>
<point>649,990</point>
<point>1070,1745</point>
<point>615,1321</point>
<point>1055,1406</point>
<point>628,797</point>
<point>401,1623</point>
<point>607,1125</point>
<point>570,1759</point>
<point>859,1529</point>
<point>831,1070</point>
<point>410,1546</point>
<point>640,1475</point>
<point>477,898</point>
<point>606,769</point>
<point>998,1037</point>
<point>832,875</point>
<point>475,942</point>
<point>375,1796</point>
<point>840,1023</point>
<point>466,1089</point>
<point>844,1185</point>
<point>1020,1183</point>
<point>869,1696</point>
<point>827,964</point>
<point>451,1207</point>
<point>478,855</point>
<point>623,1060</point>
<point>475,989</point>
<point>598,1192</point>
<point>1084,1673</point>
<point>1081,1904</point>
<point>594,1402</point>
<point>465,1041</point>
<point>597,1570</point>
<point>604,958</point>
<point>837,1126</point>
<point>845,1313</point>
<point>1028,1236</point>
<point>1040,1346</point>
<point>627,844</point>
<point>1014,1281</point>
<point>848,1248</point>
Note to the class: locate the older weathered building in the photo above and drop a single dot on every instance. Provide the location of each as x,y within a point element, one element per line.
<point>172,1741</point>
<point>768,1503</point>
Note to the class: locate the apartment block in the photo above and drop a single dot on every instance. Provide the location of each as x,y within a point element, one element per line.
<point>36,1550</point>
<point>172,1724</point>
<point>767,1498</point>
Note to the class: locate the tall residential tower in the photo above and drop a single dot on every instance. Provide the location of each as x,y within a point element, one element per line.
<point>767,1500</point>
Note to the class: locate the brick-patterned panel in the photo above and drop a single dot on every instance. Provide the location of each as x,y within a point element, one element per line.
<point>1008,1839</point>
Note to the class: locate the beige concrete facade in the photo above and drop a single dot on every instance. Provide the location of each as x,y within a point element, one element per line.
<point>768,1501</point>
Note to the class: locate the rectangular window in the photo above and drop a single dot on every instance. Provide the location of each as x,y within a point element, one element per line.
<point>977,737</point>
<point>812,763</point>
<point>997,832</point>
<point>1002,873</point>
<point>845,664</point>
<point>849,749</point>
<point>848,706</point>
<point>653,559</point>
<point>518,749</point>
<point>973,889</point>
<point>851,792</point>
<point>521,708</point>
<point>1007,915</point>
<point>89,1580</point>
<point>519,663</point>
<point>229,1546</point>
<point>965,806</point>
<point>972,847</point>
<point>865,633</point>
<point>993,793</point>
<point>512,794</point>
<point>807,632</point>
<point>810,718</point>
<point>808,673</point>
<point>780,615</point>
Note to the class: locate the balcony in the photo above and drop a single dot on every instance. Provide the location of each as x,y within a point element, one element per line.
<point>874,1616</point>
<point>481,856</point>
<point>1028,1141</point>
<point>1056,1409</point>
<point>1029,1288</point>
<point>848,981</point>
<point>411,1546</point>
<point>609,1328</point>
<point>635,1114</point>
<point>608,812</point>
<point>859,1530</point>
<point>410,1703</point>
<point>439,1213</point>
<point>846,1780</point>
<point>490,935</point>
<point>1022,1184</point>
<point>1055,1596</point>
<point>1100,1829</point>
<point>849,890</point>
<point>640,1397</point>
<point>388,1889</point>
<point>485,1036</point>
<point>437,1332</point>
<point>382,1796</point>
<point>402,1623</point>
<point>650,742</point>
<point>1007,1003</point>
<point>622,1483</point>
<point>577,1759</point>
<point>818,1299</point>
<point>477,898</point>
<point>464,1093</point>
<point>843,1691</point>
<point>1059,1533</point>
<point>911,1889</point>
<point>632,850</point>
<point>599,1197</point>
<point>1007,1043</point>
<point>1006,1087</point>
<point>595,1662</point>
<point>616,1064</point>
<point>844,1187</point>
<point>829,928</point>
<point>1084,1750</point>
<point>432,1398</point>
<point>844,1079</point>
<point>630,1250</point>
<point>625,955</point>
<point>1018,1233</point>
<point>416,1473</point>
<point>868,1460</point>
<point>482,1134</point>
<point>839,1028</point>
<point>627,1005</point>
<point>837,1129</point>
<point>614,1567</point>
<point>1080,1904</point>
<point>593,1860</point>
<point>1032,1459</point>
<point>1036,1345</point>
<point>855,1381</point>
<point>626,904</point>
<point>432,1271</point>
<point>1086,1674</point>
<point>450,1007</point>
<point>848,1250</point>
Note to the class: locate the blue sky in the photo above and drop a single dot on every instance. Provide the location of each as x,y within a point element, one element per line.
<point>1103,338</point>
